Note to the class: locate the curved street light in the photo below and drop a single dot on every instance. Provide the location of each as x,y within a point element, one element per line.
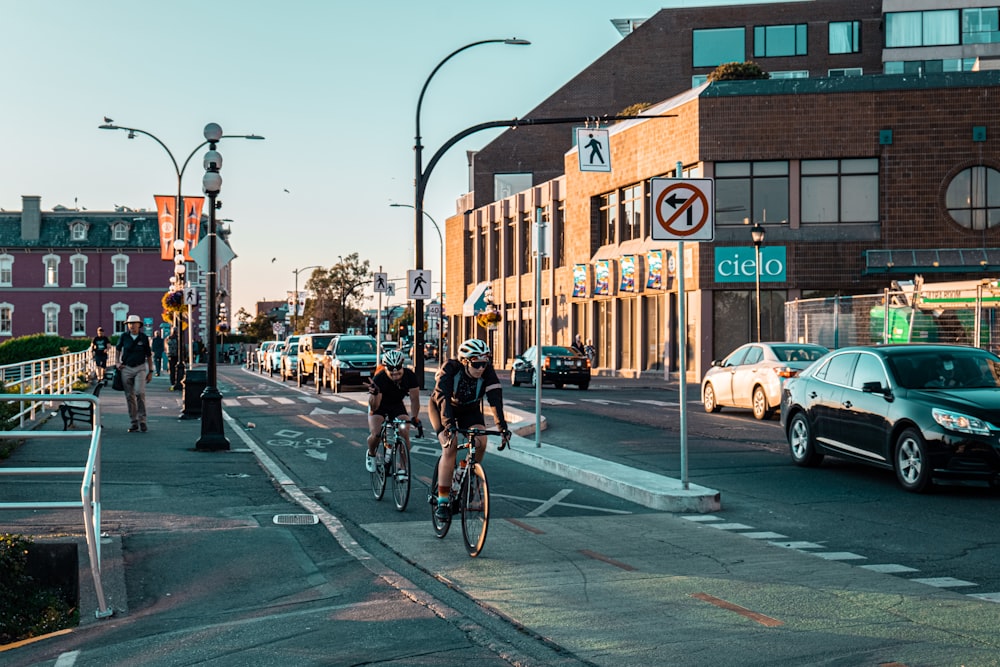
<point>179,172</point>
<point>418,218</point>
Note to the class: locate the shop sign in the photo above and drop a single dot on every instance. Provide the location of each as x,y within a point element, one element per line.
<point>738,264</point>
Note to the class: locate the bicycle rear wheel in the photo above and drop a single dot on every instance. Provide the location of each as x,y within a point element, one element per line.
<point>440,527</point>
<point>401,474</point>
<point>378,477</point>
<point>475,510</point>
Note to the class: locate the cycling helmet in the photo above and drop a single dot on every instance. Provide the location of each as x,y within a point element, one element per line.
<point>393,358</point>
<point>473,348</point>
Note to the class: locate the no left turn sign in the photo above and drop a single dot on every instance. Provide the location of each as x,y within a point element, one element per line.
<point>682,209</point>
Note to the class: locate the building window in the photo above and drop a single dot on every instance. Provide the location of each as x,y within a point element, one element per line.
<point>6,270</point>
<point>607,234</point>
<point>779,40</point>
<point>526,265</point>
<point>119,264</point>
<point>496,233</point>
<point>698,79</point>
<point>845,37</point>
<point>51,263</point>
<point>505,185</point>
<point>973,198</point>
<point>755,190</point>
<point>790,74</point>
<point>632,208</point>
<point>559,234</point>
<point>845,71</point>
<point>119,231</point>
<point>929,66</point>
<point>79,264</point>
<point>481,254</point>
<point>51,314</point>
<point>78,231</point>
<point>6,319</point>
<point>713,47</point>
<point>980,26</point>
<point>508,247</point>
<point>119,312</point>
<point>78,312</point>
<point>930,28</point>
<point>839,190</point>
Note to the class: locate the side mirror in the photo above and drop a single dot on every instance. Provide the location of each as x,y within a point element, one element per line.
<point>875,387</point>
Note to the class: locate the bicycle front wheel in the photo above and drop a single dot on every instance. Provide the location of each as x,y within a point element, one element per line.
<point>378,477</point>
<point>400,475</point>
<point>475,510</point>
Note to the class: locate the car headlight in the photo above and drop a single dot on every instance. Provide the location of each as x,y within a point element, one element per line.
<point>956,421</point>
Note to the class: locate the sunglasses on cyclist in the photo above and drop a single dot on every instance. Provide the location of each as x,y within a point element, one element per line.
<point>395,368</point>
<point>479,364</point>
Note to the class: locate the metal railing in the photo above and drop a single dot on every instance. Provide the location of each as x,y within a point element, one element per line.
<point>90,472</point>
<point>52,375</point>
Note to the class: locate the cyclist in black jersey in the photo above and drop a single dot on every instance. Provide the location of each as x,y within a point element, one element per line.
<point>387,390</point>
<point>457,402</point>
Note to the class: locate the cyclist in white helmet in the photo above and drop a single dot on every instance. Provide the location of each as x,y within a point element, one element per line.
<point>387,390</point>
<point>457,402</point>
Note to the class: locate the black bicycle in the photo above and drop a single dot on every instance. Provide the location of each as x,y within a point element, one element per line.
<point>392,461</point>
<point>470,494</point>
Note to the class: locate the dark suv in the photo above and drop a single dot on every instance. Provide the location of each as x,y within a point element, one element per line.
<point>349,360</point>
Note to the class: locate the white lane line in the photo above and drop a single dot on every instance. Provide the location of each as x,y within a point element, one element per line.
<point>838,555</point>
<point>944,582</point>
<point>256,401</point>
<point>283,400</point>
<point>550,503</point>
<point>989,597</point>
<point>67,659</point>
<point>889,568</point>
<point>730,526</point>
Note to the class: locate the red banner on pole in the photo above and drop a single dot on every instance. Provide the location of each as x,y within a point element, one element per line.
<point>192,223</point>
<point>165,217</point>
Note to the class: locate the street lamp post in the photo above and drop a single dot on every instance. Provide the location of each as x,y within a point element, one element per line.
<point>757,234</point>
<point>213,438</point>
<point>295,296</point>
<point>418,218</point>
<point>178,216</point>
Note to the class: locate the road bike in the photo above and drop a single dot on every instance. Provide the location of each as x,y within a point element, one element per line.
<point>470,494</point>
<point>392,461</point>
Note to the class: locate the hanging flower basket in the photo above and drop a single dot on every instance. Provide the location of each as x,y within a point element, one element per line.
<point>223,328</point>
<point>489,319</point>
<point>173,302</point>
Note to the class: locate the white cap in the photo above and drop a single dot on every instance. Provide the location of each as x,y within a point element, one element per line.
<point>133,318</point>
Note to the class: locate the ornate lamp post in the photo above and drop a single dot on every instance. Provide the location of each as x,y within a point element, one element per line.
<point>178,218</point>
<point>418,218</point>
<point>757,233</point>
<point>213,438</point>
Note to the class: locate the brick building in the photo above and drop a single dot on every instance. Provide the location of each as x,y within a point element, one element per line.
<point>866,157</point>
<point>67,271</point>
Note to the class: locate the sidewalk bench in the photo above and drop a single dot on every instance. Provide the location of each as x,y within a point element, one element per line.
<point>82,411</point>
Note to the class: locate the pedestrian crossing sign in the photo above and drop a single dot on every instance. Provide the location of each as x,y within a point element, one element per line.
<point>594,148</point>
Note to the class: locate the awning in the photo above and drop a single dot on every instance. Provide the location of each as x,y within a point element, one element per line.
<point>476,303</point>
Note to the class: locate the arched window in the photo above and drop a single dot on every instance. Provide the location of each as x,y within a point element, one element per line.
<point>973,198</point>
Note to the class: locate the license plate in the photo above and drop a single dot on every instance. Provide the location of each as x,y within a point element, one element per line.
<point>365,374</point>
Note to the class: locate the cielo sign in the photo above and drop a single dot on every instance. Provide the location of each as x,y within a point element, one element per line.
<point>738,265</point>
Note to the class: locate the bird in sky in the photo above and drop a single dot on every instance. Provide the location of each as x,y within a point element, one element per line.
<point>273,260</point>
<point>286,190</point>
<point>108,120</point>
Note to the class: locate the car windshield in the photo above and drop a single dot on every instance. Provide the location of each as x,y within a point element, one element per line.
<point>558,351</point>
<point>356,347</point>
<point>961,368</point>
<point>798,352</point>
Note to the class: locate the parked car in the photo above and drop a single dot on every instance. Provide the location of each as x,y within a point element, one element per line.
<point>430,351</point>
<point>312,347</point>
<point>289,358</point>
<point>349,360</point>
<point>272,360</point>
<point>560,366</point>
<point>261,355</point>
<point>753,374</point>
<point>925,411</point>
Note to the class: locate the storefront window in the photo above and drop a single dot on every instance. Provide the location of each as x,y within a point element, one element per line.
<point>755,190</point>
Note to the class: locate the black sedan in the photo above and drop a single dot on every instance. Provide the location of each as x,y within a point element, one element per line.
<point>925,411</point>
<point>560,366</point>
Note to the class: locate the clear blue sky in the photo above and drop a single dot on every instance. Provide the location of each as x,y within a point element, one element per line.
<point>332,85</point>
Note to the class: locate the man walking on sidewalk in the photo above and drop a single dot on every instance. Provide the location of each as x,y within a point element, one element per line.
<point>135,363</point>
<point>157,344</point>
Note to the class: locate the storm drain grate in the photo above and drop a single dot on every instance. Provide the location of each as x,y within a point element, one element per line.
<point>296,519</point>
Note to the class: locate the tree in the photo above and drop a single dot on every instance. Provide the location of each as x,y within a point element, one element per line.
<point>338,293</point>
<point>738,72</point>
<point>260,328</point>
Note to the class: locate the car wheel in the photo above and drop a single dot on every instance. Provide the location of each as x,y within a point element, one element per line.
<point>584,386</point>
<point>708,399</point>
<point>912,468</point>
<point>800,442</point>
<point>513,379</point>
<point>559,385</point>
<point>760,408</point>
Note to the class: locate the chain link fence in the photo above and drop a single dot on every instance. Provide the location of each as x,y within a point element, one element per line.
<point>956,316</point>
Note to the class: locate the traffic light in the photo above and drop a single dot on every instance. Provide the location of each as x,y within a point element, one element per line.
<point>370,324</point>
<point>402,332</point>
